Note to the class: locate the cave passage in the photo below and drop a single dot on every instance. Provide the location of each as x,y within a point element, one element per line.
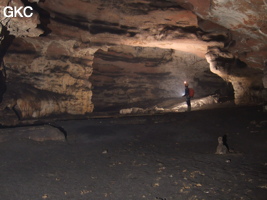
<point>138,79</point>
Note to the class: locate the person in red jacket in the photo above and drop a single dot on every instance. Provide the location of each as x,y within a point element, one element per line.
<point>186,94</point>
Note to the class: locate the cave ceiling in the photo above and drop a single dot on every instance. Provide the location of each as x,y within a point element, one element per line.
<point>54,53</point>
<point>187,25</point>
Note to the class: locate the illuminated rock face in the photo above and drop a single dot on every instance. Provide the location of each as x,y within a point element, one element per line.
<point>48,77</point>
<point>141,77</point>
<point>72,56</point>
<point>247,82</point>
<point>17,26</point>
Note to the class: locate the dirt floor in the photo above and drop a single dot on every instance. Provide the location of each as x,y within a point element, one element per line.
<point>164,157</point>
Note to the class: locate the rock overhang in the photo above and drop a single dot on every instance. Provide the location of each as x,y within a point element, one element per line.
<point>78,29</point>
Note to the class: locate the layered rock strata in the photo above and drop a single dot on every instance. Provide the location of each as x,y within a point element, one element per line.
<point>48,77</point>
<point>141,77</point>
<point>72,55</point>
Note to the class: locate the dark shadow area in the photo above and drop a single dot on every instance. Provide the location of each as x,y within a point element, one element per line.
<point>225,94</point>
<point>240,64</point>
<point>95,26</point>
<point>104,23</point>
<point>2,86</point>
<point>95,29</point>
<point>225,143</point>
<point>159,157</point>
<point>5,43</point>
<point>78,21</point>
<point>44,17</point>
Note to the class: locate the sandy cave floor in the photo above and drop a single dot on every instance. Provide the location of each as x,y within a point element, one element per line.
<point>168,156</point>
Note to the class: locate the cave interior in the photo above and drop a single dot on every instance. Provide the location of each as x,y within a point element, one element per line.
<point>92,101</point>
<point>92,58</point>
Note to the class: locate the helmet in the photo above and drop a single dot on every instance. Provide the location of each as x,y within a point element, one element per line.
<point>185,83</point>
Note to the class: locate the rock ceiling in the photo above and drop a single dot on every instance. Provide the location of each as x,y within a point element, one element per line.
<point>128,51</point>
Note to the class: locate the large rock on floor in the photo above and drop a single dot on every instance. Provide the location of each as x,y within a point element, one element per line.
<point>36,133</point>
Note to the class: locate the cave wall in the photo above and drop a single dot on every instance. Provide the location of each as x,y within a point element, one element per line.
<point>18,26</point>
<point>49,67</point>
<point>127,76</point>
<point>48,77</point>
<point>247,82</point>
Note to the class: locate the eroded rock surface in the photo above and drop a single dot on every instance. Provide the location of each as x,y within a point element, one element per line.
<point>134,76</point>
<point>20,26</point>
<point>48,78</point>
<point>72,56</point>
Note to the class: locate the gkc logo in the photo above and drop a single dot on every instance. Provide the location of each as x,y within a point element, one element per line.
<point>18,12</point>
